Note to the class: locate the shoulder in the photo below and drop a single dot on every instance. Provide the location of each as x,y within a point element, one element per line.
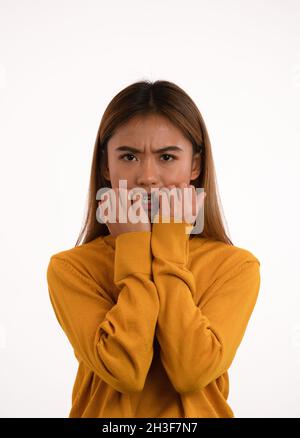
<point>220,252</point>
<point>217,261</point>
<point>83,260</point>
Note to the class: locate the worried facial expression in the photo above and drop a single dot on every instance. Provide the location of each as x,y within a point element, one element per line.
<point>150,152</point>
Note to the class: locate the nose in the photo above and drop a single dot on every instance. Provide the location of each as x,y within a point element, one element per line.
<point>147,175</point>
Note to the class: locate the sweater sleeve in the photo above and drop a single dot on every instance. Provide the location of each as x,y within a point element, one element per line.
<point>115,340</point>
<point>198,343</point>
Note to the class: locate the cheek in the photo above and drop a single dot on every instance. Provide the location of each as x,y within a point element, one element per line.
<point>119,172</point>
<point>178,175</point>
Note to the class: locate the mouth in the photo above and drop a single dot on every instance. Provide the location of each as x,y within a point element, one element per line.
<point>146,200</point>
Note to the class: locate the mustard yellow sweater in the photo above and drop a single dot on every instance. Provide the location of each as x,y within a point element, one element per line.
<point>154,319</point>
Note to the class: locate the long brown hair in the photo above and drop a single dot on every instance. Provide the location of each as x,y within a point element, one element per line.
<point>167,99</point>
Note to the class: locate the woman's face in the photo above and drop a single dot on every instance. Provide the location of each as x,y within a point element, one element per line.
<point>147,166</point>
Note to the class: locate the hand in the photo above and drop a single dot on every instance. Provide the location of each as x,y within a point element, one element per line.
<point>118,228</point>
<point>183,207</point>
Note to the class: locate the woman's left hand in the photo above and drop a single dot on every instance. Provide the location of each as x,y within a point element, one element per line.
<point>183,203</point>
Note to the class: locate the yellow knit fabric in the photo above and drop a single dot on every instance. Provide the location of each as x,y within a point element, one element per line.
<point>155,320</point>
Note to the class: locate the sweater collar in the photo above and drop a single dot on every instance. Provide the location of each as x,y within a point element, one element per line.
<point>110,240</point>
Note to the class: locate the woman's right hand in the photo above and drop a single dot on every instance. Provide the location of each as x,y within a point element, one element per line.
<point>117,228</point>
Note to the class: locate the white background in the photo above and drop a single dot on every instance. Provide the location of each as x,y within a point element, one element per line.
<point>61,62</point>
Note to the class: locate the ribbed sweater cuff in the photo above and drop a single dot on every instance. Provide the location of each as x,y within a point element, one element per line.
<point>170,241</point>
<point>132,254</point>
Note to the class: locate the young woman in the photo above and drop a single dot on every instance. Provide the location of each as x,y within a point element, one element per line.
<point>154,313</point>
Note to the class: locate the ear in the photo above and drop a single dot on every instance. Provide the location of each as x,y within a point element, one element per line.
<point>195,171</point>
<point>106,173</point>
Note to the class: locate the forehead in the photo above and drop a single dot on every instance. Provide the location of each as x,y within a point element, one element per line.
<point>150,129</point>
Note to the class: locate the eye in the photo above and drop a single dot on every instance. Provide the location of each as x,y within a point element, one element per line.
<point>126,155</point>
<point>163,155</point>
<point>168,155</point>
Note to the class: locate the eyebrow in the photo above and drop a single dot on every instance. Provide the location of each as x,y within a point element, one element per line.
<point>138,151</point>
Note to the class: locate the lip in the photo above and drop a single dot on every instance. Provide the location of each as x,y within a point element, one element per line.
<point>146,203</point>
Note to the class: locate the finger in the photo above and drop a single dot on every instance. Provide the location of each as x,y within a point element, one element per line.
<point>190,198</point>
<point>172,198</point>
<point>200,200</point>
<point>163,194</point>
